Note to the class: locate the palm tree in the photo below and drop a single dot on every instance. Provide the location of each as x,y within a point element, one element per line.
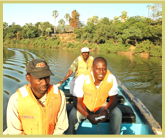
<point>55,15</point>
<point>41,26</point>
<point>66,17</point>
<point>48,30</point>
<point>61,24</point>
<point>149,8</point>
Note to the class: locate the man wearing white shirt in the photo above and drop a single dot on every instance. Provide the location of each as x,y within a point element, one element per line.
<point>90,93</point>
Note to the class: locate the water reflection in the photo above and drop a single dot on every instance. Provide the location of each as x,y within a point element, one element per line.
<point>142,77</point>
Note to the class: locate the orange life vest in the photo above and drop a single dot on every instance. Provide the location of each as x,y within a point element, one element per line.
<point>83,66</point>
<point>93,97</point>
<point>35,118</point>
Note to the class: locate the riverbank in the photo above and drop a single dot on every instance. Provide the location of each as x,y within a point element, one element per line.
<point>69,41</point>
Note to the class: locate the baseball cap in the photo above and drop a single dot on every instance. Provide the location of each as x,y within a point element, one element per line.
<point>38,68</point>
<point>84,49</point>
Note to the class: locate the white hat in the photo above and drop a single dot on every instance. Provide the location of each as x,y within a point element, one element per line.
<point>85,49</point>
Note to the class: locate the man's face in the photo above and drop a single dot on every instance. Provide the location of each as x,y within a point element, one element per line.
<point>38,86</point>
<point>85,55</point>
<point>99,70</point>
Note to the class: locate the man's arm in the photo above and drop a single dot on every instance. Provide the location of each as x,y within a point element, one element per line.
<point>79,105</point>
<point>67,75</point>
<point>110,106</point>
<point>72,69</point>
<point>113,95</point>
<point>113,102</point>
<point>14,125</point>
<point>62,118</point>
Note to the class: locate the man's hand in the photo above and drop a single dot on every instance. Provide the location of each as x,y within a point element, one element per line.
<point>59,83</point>
<point>91,118</point>
<point>104,112</point>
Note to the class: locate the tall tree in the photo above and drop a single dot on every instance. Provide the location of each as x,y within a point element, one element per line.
<point>55,15</point>
<point>154,11</point>
<point>74,20</point>
<point>124,16</point>
<point>41,26</point>
<point>66,17</point>
<point>61,25</point>
<point>149,8</point>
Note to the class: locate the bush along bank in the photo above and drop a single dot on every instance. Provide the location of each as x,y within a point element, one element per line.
<point>108,47</point>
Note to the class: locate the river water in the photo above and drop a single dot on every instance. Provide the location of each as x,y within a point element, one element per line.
<point>141,76</point>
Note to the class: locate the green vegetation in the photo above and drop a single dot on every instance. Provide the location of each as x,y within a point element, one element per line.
<point>105,35</point>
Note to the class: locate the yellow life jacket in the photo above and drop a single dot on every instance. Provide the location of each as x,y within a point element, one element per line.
<point>36,119</point>
<point>93,97</point>
<point>83,66</point>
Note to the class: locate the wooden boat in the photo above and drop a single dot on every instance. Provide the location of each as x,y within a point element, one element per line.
<point>136,118</point>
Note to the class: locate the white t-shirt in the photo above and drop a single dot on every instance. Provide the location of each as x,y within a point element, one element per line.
<point>79,82</point>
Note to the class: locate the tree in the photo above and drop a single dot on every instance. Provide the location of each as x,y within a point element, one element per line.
<point>48,30</point>
<point>115,18</point>
<point>61,22</point>
<point>18,35</point>
<point>149,8</point>
<point>41,26</point>
<point>5,25</point>
<point>93,19</point>
<point>55,15</point>
<point>131,34</point>
<point>61,25</point>
<point>28,25</point>
<point>153,12</point>
<point>66,17</point>
<point>74,20</point>
<point>124,16</point>
<point>159,9</point>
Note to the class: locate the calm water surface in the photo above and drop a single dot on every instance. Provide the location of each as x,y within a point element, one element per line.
<point>142,77</point>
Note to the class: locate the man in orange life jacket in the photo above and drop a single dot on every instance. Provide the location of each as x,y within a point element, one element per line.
<point>90,93</point>
<point>81,64</point>
<point>37,108</point>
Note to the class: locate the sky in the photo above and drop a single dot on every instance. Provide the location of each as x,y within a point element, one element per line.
<point>21,13</point>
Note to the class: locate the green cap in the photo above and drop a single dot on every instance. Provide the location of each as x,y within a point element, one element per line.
<point>38,68</point>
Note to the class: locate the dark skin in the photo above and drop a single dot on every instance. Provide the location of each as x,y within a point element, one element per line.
<point>39,86</point>
<point>85,56</point>
<point>99,72</point>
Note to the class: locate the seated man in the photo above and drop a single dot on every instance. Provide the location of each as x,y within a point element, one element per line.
<point>81,64</point>
<point>90,93</point>
<point>37,108</point>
